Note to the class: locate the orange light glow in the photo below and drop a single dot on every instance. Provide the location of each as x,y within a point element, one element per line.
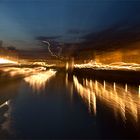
<point>43,64</point>
<point>37,81</point>
<point>87,94</point>
<point>7,61</point>
<point>14,71</point>
<point>111,66</point>
<point>119,100</point>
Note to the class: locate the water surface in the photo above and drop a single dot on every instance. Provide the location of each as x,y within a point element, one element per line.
<point>67,106</point>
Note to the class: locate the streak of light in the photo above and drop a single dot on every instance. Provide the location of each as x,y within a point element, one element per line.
<point>14,71</point>
<point>126,89</point>
<point>66,80</point>
<point>69,85</point>
<point>5,103</point>
<point>111,66</point>
<point>104,84</point>
<point>44,64</point>
<point>96,84</point>
<point>114,85</point>
<point>89,101</point>
<point>117,100</point>
<point>86,94</point>
<point>37,81</point>
<point>139,90</point>
<point>67,65</point>
<point>72,65</point>
<point>7,61</point>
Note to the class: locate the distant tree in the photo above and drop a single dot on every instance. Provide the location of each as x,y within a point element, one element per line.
<point>11,48</point>
<point>1,43</point>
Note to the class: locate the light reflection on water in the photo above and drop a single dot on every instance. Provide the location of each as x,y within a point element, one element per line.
<point>123,101</point>
<point>69,86</point>
<point>38,81</point>
<point>114,96</point>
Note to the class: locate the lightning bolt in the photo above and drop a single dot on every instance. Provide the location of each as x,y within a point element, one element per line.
<point>49,48</point>
<point>50,51</point>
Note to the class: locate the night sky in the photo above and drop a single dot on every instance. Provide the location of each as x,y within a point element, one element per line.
<point>21,21</point>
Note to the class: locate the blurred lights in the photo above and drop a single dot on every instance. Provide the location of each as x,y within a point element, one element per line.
<point>37,81</point>
<point>44,64</point>
<point>7,61</point>
<point>14,71</point>
<point>111,66</point>
<point>114,96</point>
<point>5,103</point>
<point>86,93</point>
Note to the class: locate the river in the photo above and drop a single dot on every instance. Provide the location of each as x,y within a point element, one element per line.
<point>67,106</point>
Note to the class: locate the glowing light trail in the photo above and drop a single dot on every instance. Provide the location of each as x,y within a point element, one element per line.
<point>5,103</point>
<point>87,95</point>
<point>118,100</point>
<point>7,61</point>
<point>14,71</point>
<point>44,64</point>
<point>37,81</point>
<point>111,66</point>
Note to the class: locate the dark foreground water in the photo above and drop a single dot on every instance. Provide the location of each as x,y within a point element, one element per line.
<point>67,106</point>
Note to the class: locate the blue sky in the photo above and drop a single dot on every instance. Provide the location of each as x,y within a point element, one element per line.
<point>21,21</point>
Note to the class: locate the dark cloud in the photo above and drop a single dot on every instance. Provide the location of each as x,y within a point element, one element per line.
<point>19,41</point>
<point>116,35</point>
<point>41,38</point>
<point>54,48</point>
<point>76,31</point>
<point>51,39</point>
